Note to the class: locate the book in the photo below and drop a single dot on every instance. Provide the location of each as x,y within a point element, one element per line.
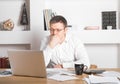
<point>109,20</point>
<point>4,62</point>
<point>47,15</point>
<point>0,62</point>
<point>92,28</point>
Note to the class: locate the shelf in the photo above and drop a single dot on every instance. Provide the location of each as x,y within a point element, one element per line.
<point>15,37</point>
<point>87,36</point>
<point>98,36</point>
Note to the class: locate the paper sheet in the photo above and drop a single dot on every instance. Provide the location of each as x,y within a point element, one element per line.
<point>99,79</point>
<point>60,74</point>
<point>53,71</point>
<point>111,74</point>
<point>87,80</point>
<point>60,77</point>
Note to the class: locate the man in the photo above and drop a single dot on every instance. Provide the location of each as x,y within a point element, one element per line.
<point>62,50</point>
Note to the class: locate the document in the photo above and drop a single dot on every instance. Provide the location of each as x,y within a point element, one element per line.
<point>60,77</point>
<point>98,79</point>
<point>92,79</point>
<point>111,74</point>
<point>60,74</point>
<point>52,71</point>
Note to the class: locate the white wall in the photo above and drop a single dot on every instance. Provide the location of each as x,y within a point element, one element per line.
<point>104,55</point>
<point>82,13</point>
<point>36,20</point>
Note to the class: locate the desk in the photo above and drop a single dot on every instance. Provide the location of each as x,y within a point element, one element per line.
<point>33,80</point>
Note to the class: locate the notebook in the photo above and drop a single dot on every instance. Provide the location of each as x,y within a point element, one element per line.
<point>27,63</point>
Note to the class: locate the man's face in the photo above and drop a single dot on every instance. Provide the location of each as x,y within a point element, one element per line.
<point>58,29</point>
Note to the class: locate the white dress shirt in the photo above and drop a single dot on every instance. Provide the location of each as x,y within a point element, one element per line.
<point>68,53</point>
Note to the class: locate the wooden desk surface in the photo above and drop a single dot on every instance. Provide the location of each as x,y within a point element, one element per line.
<point>33,80</point>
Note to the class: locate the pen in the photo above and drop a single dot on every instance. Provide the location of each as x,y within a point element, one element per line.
<point>118,78</point>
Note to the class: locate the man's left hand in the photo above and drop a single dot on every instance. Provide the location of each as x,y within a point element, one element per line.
<point>58,66</point>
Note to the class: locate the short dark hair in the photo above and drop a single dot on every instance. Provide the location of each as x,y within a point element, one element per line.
<point>60,19</point>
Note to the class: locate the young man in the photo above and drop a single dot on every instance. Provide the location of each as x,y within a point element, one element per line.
<point>62,50</point>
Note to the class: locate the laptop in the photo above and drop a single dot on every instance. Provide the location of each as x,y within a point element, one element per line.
<point>27,63</point>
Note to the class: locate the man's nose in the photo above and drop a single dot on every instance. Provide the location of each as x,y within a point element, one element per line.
<point>55,32</point>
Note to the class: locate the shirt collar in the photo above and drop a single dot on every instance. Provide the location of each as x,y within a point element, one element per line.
<point>67,38</point>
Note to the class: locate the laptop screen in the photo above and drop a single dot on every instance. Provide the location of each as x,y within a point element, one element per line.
<point>27,63</point>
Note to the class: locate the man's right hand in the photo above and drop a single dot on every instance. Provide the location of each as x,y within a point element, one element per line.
<point>54,40</point>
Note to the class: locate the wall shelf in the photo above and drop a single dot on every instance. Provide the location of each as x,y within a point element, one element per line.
<point>99,36</point>
<point>15,37</point>
<point>87,36</point>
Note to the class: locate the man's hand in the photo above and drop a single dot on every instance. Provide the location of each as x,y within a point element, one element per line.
<point>54,40</point>
<point>58,66</point>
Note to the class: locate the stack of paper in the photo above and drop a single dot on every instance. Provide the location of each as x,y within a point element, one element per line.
<point>102,80</point>
<point>98,79</point>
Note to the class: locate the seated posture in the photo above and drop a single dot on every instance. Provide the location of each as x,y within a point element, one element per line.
<point>62,50</point>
